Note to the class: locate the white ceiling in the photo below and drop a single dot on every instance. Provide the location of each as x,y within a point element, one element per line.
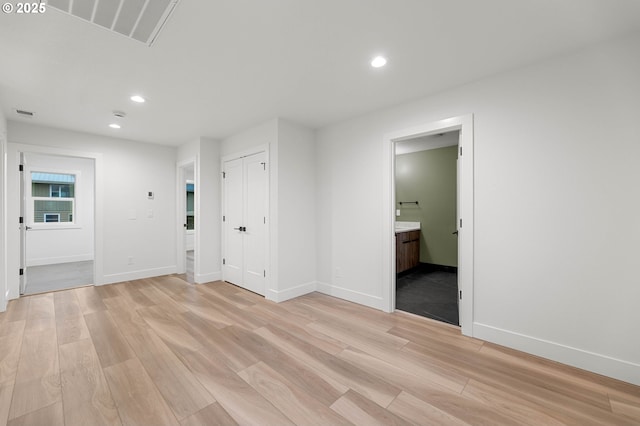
<point>220,66</point>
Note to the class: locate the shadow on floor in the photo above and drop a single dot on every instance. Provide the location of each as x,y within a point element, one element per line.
<point>430,292</point>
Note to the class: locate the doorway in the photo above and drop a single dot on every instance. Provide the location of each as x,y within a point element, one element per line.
<point>58,222</point>
<point>426,232</point>
<point>465,222</point>
<point>187,213</point>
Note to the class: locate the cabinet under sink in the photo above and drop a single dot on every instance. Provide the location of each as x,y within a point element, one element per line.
<point>407,249</point>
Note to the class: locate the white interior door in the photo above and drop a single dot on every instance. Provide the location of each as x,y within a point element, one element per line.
<point>232,222</point>
<point>23,225</point>
<point>244,222</point>
<point>254,224</point>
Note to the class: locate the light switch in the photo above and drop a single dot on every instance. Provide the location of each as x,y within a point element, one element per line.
<point>150,195</point>
<point>150,213</point>
<point>132,214</point>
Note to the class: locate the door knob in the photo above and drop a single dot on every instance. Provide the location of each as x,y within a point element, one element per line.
<point>455,233</point>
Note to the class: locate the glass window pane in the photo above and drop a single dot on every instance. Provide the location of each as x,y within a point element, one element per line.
<point>42,207</point>
<point>51,217</point>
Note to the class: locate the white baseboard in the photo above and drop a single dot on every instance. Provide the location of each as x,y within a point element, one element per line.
<point>350,295</point>
<point>61,259</point>
<point>135,275</point>
<point>590,361</point>
<point>207,278</point>
<point>291,293</point>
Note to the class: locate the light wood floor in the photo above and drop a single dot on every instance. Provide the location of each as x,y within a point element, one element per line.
<point>160,351</point>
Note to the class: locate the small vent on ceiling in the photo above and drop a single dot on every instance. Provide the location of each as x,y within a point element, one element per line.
<point>140,20</point>
<point>24,113</point>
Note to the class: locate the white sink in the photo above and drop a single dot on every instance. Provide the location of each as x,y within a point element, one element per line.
<point>407,226</point>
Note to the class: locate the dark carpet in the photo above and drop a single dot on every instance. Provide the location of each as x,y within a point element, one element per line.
<point>430,292</point>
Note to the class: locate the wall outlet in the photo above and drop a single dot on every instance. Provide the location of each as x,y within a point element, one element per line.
<point>338,272</point>
<point>130,260</point>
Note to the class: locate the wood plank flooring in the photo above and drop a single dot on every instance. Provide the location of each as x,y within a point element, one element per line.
<point>161,351</point>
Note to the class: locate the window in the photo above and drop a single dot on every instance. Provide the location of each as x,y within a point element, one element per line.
<point>53,196</point>
<point>51,217</point>
<point>60,191</point>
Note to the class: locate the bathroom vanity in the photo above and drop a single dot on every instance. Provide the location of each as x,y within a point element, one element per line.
<point>407,245</point>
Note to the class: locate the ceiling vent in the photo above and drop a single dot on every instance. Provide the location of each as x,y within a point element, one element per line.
<point>140,20</point>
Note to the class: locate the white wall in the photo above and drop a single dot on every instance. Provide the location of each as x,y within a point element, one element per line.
<point>208,219</point>
<point>557,216</point>
<point>3,239</point>
<point>296,211</point>
<point>128,224</point>
<point>47,245</point>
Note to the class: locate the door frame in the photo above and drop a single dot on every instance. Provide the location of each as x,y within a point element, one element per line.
<point>180,215</point>
<point>464,124</point>
<point>13,209</point>
<point>267,244</point>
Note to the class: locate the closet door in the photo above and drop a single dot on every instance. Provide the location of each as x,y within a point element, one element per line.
<point>244,227</point>
<point>255,219</point>
<point>233,210</point>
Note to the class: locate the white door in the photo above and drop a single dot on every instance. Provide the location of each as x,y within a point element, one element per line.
<point>23,224</point>
<point>244,222</point>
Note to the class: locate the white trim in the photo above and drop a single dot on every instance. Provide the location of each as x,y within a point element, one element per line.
<point>350,295</point>
<point>465,238</point>
<point>245,153</point>
<point>207,278</point>
<point>597,363</point>
<point>291,293</point>
<point>137,275</point>
<point>4,290</point>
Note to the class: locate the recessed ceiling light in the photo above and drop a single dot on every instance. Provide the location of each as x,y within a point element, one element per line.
<point>379,61</point>
<point>139,99</point>
<point>114,125</point>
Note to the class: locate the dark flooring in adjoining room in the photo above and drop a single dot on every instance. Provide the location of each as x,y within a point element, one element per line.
<point>429,292</point>
<point>61,276</point>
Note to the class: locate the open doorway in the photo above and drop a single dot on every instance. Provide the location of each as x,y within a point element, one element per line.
<point>465,222</point>
<point>187,216</point>
<point>426,231</point>
<point>58,222</point>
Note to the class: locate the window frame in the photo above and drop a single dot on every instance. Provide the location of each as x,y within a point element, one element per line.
<point>30,199</point>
